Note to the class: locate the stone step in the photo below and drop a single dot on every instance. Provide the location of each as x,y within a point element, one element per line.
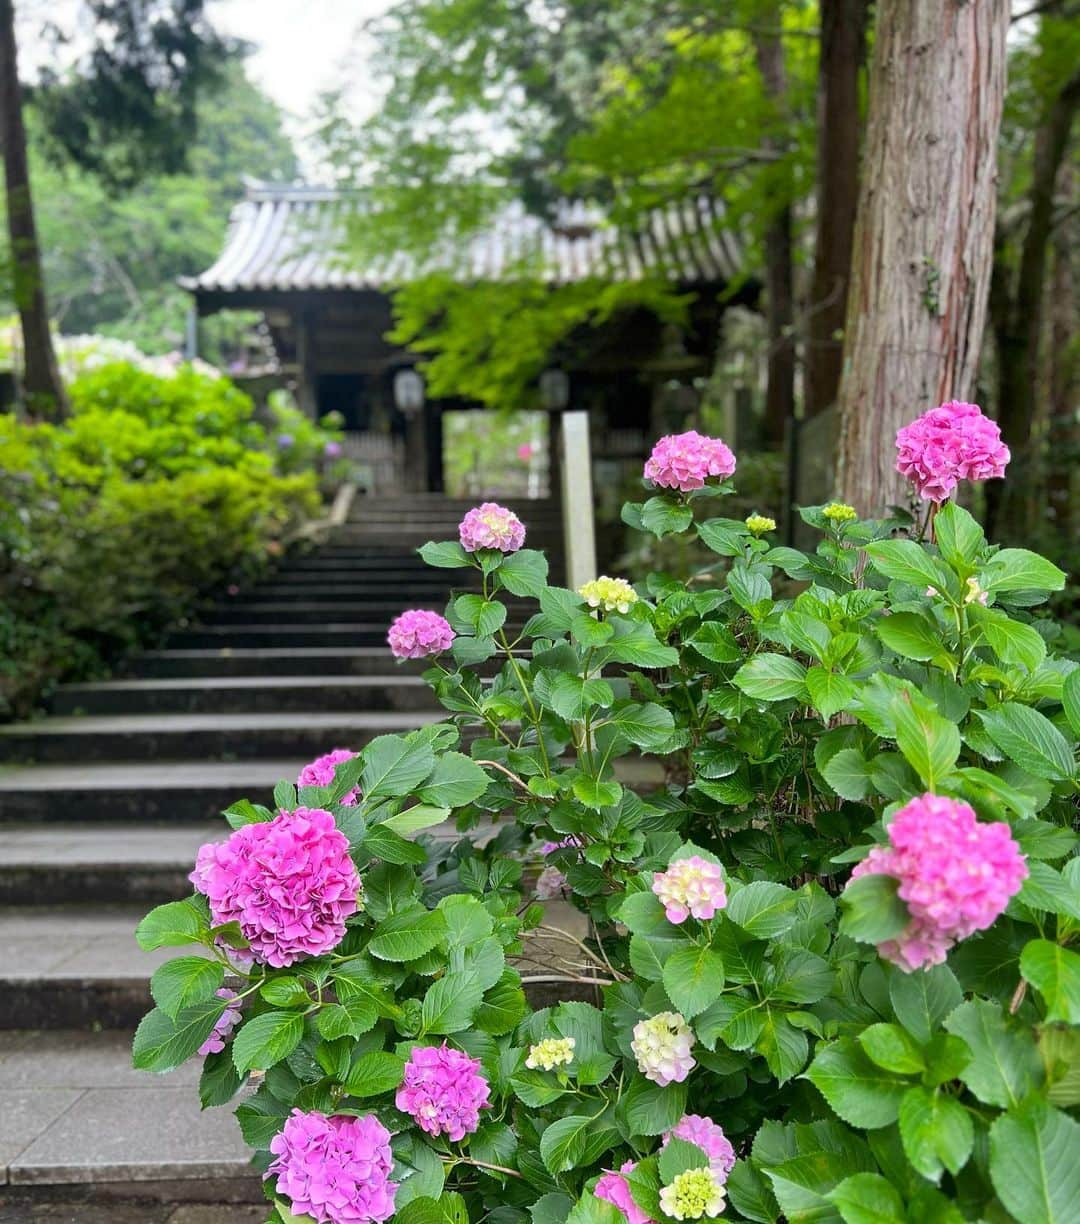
<point>258,694</point>
<point>371,633</point>
<point>75,1115</point>
<point>208,737</point>
<point>359,612</point>
<point>99,863</point>
<point>278,660</point>
<point>309,589</point>
<point>145,795</point>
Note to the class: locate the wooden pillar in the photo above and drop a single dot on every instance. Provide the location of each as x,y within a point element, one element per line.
<point>579,530</point>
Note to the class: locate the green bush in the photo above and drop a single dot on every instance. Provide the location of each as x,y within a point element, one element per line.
<point>114,524</point>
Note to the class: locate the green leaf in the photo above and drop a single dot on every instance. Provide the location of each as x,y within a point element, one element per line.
<point>647,726</point>
<point>771,677</point>
<point>848,773</point>
<point>1034,1165</point>
<point>1014,643</point>
<point>1030,739</point>
<point>408,935</point>
<point>447,554</point>
<point>381,842</point>
<point>418,1170</point>
<point>959,537</point>
<point>374,1073</point>
<point>859,1092</point>
<point>162,1042</point>
<point>664,517</point>
<point>643,914</point>
<point>636,643</point>
<point>413,819</point>
<point>716,643</point>
<point>910,635</point>
<point>867,1198</point>
<point>182,982</point>
<point>597,794</point>
<point>554,1208</point>
<point>650,1109</point>
<point>451,1002</point>
<point>922,1000</point>
<point>1047,889</point>
<point>571,697</point>
<point>750,1194</point>
<point>936,1131</point>
<point>578,1140</point>
<point>725,536</point>
<point>1054,971</point>
<point>1070,698</point>
<point>929,742</point>
<point>456,780</point>
<point>829,693</point>
<point>890,1046</point>
<point>906,561</point>
<point>503,1006</point>
<point>762,909</point>
<point>587,630</point>
<point>588,1210</point>
<point>351,1019</point>
<point>871,910</point>
<point>266,1040</point>
<point>748,587</point>
<point>524,572</point>
<point>783,1045</point>
<point>1005,1064</point>
<point>677,1156</point>
<point>393,766</point>
<point>174,924</point>
<point>1018,569</point>
<point>693,978</point>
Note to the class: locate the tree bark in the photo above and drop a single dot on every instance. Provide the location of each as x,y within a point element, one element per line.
<point>42,387</point>
<point>924,231</point>
<point>1018,309</point>
<point>779,263</point>
<point>843,50</point>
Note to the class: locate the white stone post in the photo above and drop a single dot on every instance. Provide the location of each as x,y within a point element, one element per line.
<point>579,532</point>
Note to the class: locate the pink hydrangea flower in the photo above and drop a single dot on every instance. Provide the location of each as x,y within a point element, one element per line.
<point>685,461</point>
<point>334,1169</point>
<point>662,1046</point>
<point>491,526</point>
<point>289,883</point>
<point>708,1136</point>
<point>226,1022</point>
<point>320,772</point>
<point>690,887</point>
<point>614,1188</point>
<point>549,847</point>
<point>525,452</point>
<point>946,445</point>
<point>549,884</point>
<point>418,633</point>
<point>444,1091</point>
<point>956,876</point>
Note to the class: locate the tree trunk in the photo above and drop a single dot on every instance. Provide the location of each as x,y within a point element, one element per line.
<point>843,49</point>
<point>779,263</point>
<point>1018,316</point>
<point>925,229</point>
<point>1063,432</point>
<point>41,376</point>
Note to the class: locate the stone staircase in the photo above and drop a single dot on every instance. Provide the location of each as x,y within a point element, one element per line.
<point>102,807</point>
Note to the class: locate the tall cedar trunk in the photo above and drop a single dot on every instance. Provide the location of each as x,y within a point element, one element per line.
<point>843,48</point>
<point>1063,433</point>
<point>41,376</point>
<point>1018,315</point>
<point>779,265</point>
<point>925,229</point>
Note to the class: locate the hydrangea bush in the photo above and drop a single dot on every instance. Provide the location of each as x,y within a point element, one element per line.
<point>818,810</point>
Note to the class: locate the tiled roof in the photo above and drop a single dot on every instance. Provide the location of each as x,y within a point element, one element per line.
<point>292,238</point>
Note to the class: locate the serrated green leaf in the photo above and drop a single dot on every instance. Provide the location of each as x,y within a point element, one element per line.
<point>1054,971</point>
<point>185,981</point>
<point>267,1039</point>
<point>1033,1164</point>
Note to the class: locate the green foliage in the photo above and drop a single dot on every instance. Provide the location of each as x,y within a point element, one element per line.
<point>113,525</point>
<point>850,1088</point>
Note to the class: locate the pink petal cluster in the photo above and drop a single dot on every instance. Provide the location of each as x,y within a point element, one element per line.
<point>614,1188</point>
<point>417,633</point>
<point>662,1046</point>
<point>690,887</point>
<point>549,847</point>
<point>288,882</point>
<point>320,772</point>
<point>444,1091</point>
<point>550,884</point>
<point>685,461</point>
<point>956,876</point>
<point>708,1136</point>
<point>491,526</point>
<point>334,1169</point>
<point>226,1022</point>
<point>946,445</point>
